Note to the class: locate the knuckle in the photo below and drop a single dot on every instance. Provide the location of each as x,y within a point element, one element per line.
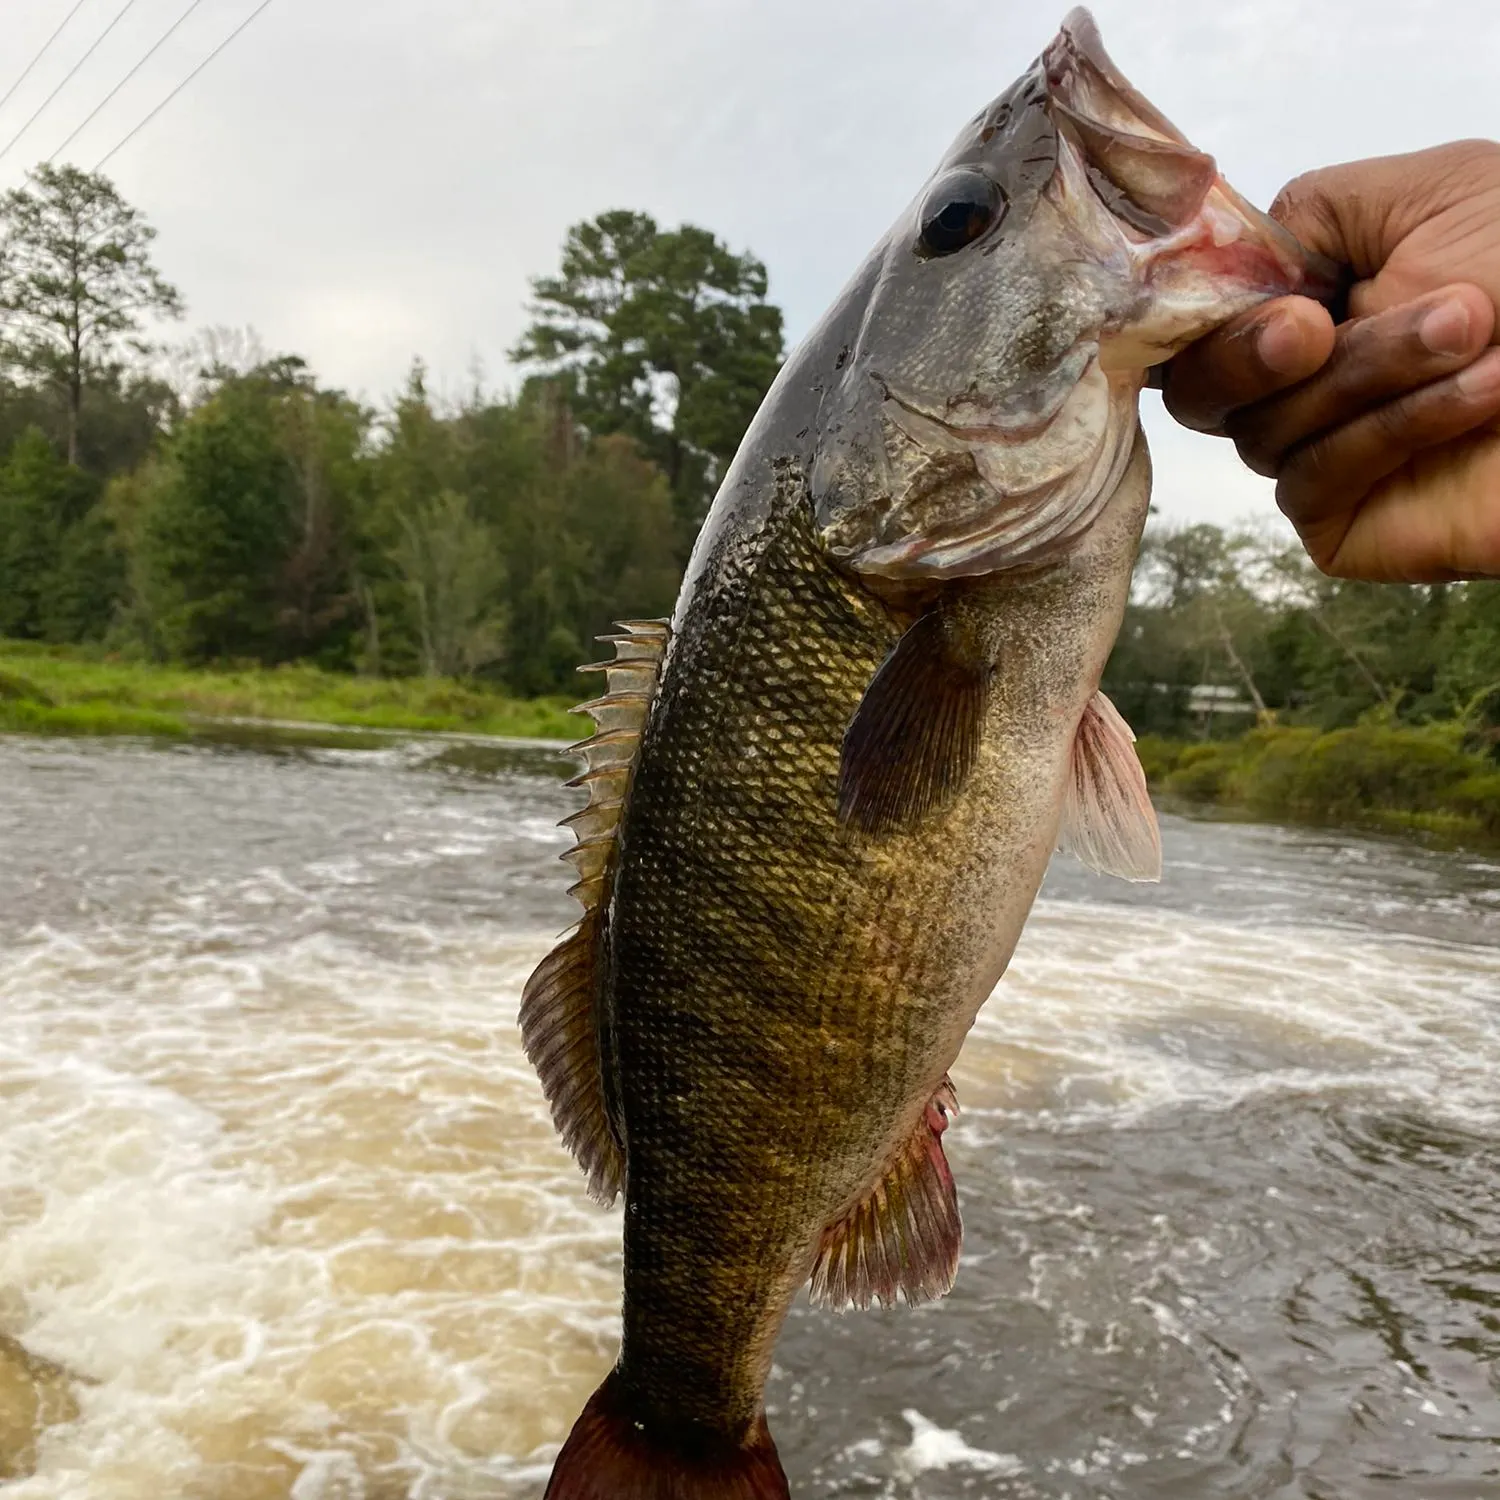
<point>1379,353</point>
<point>1308,205</point>
<point>1254,452</point>
<point>1302,192</point>
<point>1391,425</point>
<point>1321,533</point>
<point>1204,419</point>
<point>1193,393</point>
<point>1329,565</point>
<point>1316,475</point>
<point>1474,154</point>
<point>1310,465</point>
<point>1289,500</point>
<point>1378,337</point>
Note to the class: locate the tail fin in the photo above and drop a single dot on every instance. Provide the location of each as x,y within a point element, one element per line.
<point>611,1456</point>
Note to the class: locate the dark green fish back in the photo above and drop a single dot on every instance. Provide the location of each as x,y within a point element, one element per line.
<point>740,1054</point>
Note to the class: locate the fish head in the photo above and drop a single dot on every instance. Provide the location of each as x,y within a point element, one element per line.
<point>986,410</point>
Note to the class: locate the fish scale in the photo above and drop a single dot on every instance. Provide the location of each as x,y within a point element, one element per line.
<point>725,1000</point>
<point>784,995</point>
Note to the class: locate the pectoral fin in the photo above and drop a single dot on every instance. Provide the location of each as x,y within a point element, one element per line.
<point>1108,820</point>
<point>913,738</point>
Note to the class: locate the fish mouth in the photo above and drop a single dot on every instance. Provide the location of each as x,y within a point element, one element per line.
<point>1002,421</point>
<point>1200,251</point>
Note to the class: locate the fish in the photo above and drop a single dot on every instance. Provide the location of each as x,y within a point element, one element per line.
<point>823,795</point>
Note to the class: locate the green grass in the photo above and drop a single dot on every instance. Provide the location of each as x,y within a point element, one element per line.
<point>53,690</point>
<point>87,718</point>
<point>1418,780</point>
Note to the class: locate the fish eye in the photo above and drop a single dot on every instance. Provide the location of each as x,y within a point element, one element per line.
<point>958,209</point>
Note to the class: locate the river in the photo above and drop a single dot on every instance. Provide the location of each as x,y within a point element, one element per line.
<point>281,1214</point>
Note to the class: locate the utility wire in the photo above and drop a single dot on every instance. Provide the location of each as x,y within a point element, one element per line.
<point>161,41</point>
<point>10,144</point>
<point>98,166</point>
<point>46,47</point>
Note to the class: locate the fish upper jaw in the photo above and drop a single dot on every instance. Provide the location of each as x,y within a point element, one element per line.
<point>1158,211</point>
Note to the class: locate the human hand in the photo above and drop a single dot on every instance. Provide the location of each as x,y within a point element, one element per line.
<point>1383,433</point>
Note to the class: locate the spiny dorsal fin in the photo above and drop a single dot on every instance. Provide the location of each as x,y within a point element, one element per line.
<point>905,1234</point>
<point>559,1022</point>
<point>913,738</point>
<point>1108,820</point>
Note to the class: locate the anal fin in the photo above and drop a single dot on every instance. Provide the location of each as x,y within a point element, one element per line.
<point>903,1237</point>
<point>1108,820</point>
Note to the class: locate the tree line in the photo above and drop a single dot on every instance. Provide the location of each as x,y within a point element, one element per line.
<point>1246,611</point>
<point>215,503</point>
<point>225,505</point>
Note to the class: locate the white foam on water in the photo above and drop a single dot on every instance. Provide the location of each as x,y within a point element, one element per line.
<point>934,1447</point>
<point>297,1208</point>
<point>1115,1012</point>
<point>301,1218</point>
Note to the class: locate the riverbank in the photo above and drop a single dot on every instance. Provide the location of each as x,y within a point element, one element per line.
<point>1409,779</point>
<point>1420,779</point>
<point>60,690</point>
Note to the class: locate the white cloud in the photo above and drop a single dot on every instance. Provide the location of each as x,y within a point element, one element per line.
<point>367,180</point>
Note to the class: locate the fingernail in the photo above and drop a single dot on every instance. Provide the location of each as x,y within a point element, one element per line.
<point>1481,379</point>
<point>1279,344</point>
<point>1445,328</point>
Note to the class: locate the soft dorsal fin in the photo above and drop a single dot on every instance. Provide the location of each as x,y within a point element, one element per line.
<point>1108,820</point>
<point>559,1007</point>
<point>904,1235</point>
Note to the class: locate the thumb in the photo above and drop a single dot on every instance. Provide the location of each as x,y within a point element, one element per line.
<point>1346,212</point>
<point>1359,212</point>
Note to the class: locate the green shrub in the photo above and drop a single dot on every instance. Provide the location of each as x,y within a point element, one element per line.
<point>1204,771</point>
<point>1355,770</point>
<point>1479,797</point>
<point>1272,763</point>
<point>1159,756</point>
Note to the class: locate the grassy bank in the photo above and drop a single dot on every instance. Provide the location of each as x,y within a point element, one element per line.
<point>54,690</point>
<point>1413,779</point>
<point>1421,779</point>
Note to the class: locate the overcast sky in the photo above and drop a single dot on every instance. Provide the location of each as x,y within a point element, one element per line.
<point>364,181</point>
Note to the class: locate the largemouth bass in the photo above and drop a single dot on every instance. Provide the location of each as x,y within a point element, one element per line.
<point>822,798</point>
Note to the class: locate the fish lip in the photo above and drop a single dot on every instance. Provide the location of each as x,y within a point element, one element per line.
<point>1078,48</point>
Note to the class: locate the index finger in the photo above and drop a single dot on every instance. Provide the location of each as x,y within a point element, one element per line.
<point>1261,352</point>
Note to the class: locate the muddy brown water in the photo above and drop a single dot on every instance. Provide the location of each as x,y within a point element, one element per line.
<point>281,1214</point>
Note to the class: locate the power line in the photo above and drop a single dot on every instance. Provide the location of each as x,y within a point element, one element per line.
<point>99,165</point>
<point>160,42</point>
<point>46,47</point>
<point>129,4</point>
